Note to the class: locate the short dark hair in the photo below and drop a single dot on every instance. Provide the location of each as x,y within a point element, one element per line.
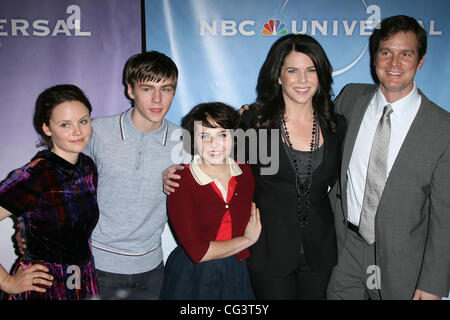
<point>269,92</point>
<point>149,66</point>
<point>400,23</point>
<point>47,101</point>
<point>211,115</point>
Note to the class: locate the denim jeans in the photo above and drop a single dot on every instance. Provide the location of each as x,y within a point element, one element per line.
<point>140,286</point>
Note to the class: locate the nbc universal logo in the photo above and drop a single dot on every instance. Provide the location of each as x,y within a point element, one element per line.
<point>327,28</point>
<point>277,27</point>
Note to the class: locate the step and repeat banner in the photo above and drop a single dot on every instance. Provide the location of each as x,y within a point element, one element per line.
<point>219,46</point>
<point>49,42</point>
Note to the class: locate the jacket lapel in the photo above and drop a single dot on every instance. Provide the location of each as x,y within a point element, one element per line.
<point>409,146</point>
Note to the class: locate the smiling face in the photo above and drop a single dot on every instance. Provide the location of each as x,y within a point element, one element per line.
<point>396,63</point>
<point>213,144</point>
<point>69,128</point>
<point>152,101</point>
<point>298,79</point>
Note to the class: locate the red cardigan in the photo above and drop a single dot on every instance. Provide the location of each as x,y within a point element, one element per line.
<point>196,211</point>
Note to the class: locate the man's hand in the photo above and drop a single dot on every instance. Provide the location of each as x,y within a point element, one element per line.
<point>168,176</point>
<point>421,295</point>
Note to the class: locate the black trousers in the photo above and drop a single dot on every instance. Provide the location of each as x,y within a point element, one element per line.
<point>301,284</point>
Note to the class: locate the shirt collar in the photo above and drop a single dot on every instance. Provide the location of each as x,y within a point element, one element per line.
<point>128,130</point>
<point>399,107</point>
<point>202,178</point>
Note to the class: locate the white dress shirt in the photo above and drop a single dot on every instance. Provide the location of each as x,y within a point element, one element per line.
<point>404,112</point>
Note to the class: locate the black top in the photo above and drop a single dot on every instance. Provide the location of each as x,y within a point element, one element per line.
<point>278,249</point>
<point>302,158</point>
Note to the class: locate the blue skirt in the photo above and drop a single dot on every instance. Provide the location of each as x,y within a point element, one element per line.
<point>221,279</point>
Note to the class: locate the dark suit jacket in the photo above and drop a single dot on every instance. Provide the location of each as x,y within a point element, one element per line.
<point>278,248</point>
<point>412,224</point>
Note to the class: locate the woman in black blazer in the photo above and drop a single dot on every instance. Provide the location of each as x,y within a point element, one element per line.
<point>296,251</point>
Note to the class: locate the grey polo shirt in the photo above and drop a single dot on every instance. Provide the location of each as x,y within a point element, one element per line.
<point>127,238</point>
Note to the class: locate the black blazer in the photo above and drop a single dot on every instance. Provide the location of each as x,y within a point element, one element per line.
<point>278,249</point>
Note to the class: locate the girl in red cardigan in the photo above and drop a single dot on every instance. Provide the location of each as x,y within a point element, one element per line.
<point>212,213</point>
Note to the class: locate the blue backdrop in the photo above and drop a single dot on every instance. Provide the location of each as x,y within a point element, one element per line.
<point>219,46</point>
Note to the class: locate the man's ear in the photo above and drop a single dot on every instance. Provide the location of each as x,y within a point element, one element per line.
<point>420,65</point>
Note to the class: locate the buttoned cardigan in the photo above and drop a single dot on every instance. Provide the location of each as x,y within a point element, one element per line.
<point>196,211</point>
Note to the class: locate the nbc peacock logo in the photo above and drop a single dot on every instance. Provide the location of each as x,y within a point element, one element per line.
<point>274,27</point>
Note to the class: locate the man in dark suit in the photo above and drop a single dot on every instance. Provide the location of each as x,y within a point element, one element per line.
<point>392,204</point>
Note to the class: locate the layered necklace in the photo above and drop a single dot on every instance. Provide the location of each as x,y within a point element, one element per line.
<point>303,188</point>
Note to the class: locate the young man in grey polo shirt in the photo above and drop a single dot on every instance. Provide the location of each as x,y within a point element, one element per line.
<point>131,150</point>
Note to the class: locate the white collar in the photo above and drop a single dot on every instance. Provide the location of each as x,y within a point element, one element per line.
<point>202,178</point>
<point>400,106</point>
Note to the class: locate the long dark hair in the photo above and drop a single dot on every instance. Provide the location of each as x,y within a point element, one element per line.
<point>270,103</point>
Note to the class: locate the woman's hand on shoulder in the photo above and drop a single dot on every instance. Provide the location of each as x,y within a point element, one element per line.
<point>245,107</point>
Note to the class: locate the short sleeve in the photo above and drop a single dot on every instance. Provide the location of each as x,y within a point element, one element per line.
<point>20,191</point>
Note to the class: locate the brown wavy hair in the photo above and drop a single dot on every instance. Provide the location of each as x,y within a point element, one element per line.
<point>270,103</point>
